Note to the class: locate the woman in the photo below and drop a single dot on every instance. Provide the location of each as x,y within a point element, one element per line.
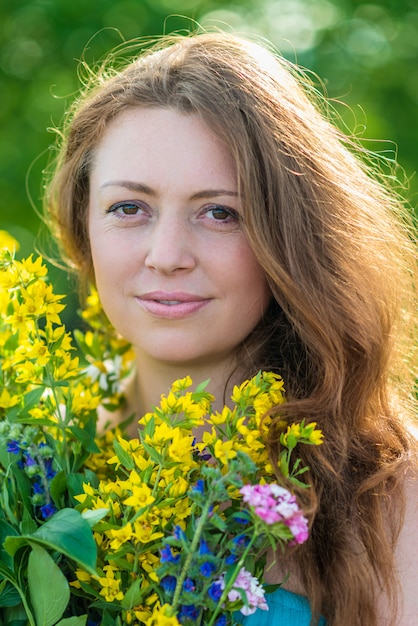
<point>228,229</point>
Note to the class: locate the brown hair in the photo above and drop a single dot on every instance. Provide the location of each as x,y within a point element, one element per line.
<point>336,247</point>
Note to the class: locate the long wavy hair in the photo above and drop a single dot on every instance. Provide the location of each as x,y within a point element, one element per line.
<point>336,247</point>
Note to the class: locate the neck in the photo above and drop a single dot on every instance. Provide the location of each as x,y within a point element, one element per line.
<point>155,378</point>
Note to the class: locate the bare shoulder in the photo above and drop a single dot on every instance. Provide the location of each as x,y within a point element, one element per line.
<point>406,554</point>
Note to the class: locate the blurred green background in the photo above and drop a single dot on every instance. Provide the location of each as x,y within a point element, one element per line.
<point>366,54</point>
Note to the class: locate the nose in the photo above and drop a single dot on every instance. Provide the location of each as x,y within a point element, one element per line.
<point>170,247</point>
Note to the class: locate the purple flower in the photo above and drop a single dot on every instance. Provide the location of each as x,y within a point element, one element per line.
<point>207,569</point>
<point>13,447</point>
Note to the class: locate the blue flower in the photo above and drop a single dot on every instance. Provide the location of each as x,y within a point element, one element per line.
<point>48,510</point>
<point>207,569</point>
<point>13,447</point>
<point>167,556</point>
<point>241,519</point>
<point>179,533</point>
<point>29,461</point>
<point>188,611</point>
<point>50,473</point>
<point>189,585</point>
<point>215,591</point>
<point>204,548</point>
<point>241,540</point>
<point>231,559</point>
<point>168,583</point>
<point>199,486</point>
<point>221,621</point>
<point>38,487</point>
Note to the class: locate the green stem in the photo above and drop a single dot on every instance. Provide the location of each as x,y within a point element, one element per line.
<point>26,607</point>
<point>229,586</point>
<point>188,561</point>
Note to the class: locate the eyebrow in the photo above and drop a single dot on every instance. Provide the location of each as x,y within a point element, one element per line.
<point>136,186</point>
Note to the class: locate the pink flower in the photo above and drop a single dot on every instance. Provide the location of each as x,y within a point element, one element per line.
<point>253,591</point>
<point>272,504</point>
<point>298,524</point>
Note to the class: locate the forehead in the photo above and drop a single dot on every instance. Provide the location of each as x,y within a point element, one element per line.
<point>159,140</point>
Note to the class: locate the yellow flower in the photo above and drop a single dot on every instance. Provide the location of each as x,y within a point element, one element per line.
<point>163,433</point>
<point>178,487</point>
<point>223,450</point>
<point>312,435</point>
<point>82,576</point>
<point>8,242</point>
<point>29,269</point>
<point>120,536</point>
<point>85,398</point>
<point>181,511</point>
<point>143,531</point>
<point>6,400</point>
<point>20,319</point>
<point>162,617</point>
<point>180,449</point>
<point>26,373</point>
<point>225,417</point>
<point>110,585</point>
<point>141,493</point>
<point>68,368</point>
<point>181,384</point>
<point>149,563</point>
<point>39,351</point>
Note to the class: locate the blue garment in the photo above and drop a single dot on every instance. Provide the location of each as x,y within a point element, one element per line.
<point>285,609</point>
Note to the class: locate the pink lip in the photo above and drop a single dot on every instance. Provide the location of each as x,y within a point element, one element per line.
<point>171,305</point>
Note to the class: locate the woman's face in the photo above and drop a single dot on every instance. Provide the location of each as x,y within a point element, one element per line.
<point>175,273</point>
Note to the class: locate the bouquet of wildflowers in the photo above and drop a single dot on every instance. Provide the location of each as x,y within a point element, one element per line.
<point>158,530</point>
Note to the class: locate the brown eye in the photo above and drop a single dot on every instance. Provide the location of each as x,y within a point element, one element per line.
<point>126,208</point>
<point>221,213</point>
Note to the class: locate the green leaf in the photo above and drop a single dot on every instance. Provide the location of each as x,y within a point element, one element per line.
<point>74,621</point>
<point>7,573</point>
<point>9,596</point>
<point>28,524</point>
<point>66,532</point>
<point>48,588</point>
<point>133,597</point>
<point>86,439</point>
<point>5,531</point>
<point>125,458</point>
<point>58,487</point>
<point>93,517</point>
<point>202,386</point>
<point>23,487</point>
<point>31,400</point>
<point>75,483</point>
